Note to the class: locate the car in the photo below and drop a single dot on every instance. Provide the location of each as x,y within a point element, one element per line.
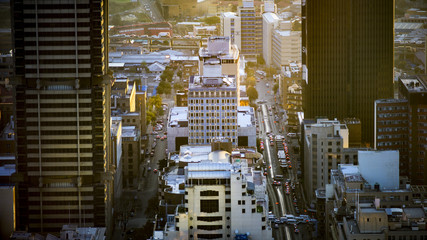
<point>296,230</point>
<point>158,136</point>
<point>152,153</point>
<point>149,168</point>
<point>155,171</point>
<point>276,226</point>
<point>276,183</point>
<point>154,133</point>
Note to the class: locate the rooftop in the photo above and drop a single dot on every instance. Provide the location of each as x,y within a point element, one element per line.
<point>177,115</point>
<point>271,17</point>
<point>414,85</point>
<point>130,132</point>
<point>245,116</point>
<point>220,82</point>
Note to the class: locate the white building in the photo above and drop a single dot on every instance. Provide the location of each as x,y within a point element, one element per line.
<point>178,127</point>
<point>270,21</point>
<point>323,150</point>
<point>222,200</point>
<point>219,58</point>
<point>286,44</point>
<point>244,28</point>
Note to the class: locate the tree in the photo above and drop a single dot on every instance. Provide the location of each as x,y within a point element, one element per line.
<point>252,93</point>
<point>164,87</point>
<point>270,71</point>
<point>178,86</point>
<point>144,66</point>
<point>275,88</point>
<point>167,75</point>
<point>296,26</point>
<point>249,71</point>
<point>260,60</point>
<point>251,81</point>
<point>151,118</point>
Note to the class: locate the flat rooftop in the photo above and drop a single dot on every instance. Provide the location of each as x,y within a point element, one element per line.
<point>245,116</point>
<point>414,85</point>
<point>177,115</point>
<point>220,82</point>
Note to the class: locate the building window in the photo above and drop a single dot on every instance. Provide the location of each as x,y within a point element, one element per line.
<point>209,206</point>
<point>243,210</point>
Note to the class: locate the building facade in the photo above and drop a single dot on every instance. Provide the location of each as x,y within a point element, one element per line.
<point>392,129</point>
<point>222,201</point>
<point>212,109</point>
<point>414,89</point>
<point>324,143</point>
<point>64,174</point>
<point>286,45</point>
<point>347,56</point>
<point>245,29</point>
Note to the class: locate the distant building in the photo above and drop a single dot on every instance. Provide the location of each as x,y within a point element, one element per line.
<point>414,89</point>
<point>178,127</point>
<point>355,132</point>
<point>323,144</point>
<point>148,29</point>
<point>175,9</point>
<point>392,130</point>
<point>123,95</point>
<point>219,58</point>
<point>293,105</point>
<point>270,21</point>
<point>367,201</point>
<point>245,29</point>
<point>131,139</point>
<point>181,98</point>
<point>286,45</point>
<point>116,150</point>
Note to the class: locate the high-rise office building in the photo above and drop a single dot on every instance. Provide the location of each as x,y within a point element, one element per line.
<point>245,29</point>
<point>64,173</point>
<point>347,58</point>
<point>213,96</point>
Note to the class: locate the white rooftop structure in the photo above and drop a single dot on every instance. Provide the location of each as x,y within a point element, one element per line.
<point>178,114</point>
<point>196,153</point>
<point>156,67</point>
<point>271,17</point>
<point>380,167</point>
<point>245,116</point>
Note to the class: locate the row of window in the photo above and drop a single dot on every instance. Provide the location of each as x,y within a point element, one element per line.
<point>220,94</point>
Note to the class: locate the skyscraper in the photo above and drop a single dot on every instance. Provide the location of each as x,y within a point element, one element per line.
<point>64,173</point>
<point>244,28</point>
<point>347,58</point>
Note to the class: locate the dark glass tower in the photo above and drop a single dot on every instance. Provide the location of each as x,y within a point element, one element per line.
<point>64,172</point>
<point>347,58</point>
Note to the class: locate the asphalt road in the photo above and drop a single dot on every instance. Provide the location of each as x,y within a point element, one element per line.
<point>281,202</point>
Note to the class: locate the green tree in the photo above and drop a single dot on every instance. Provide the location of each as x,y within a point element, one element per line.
<point>164,87</point>
<point>178,86</point>
<point>270,71</point>
<point>275,88</point>
<point>296,26</point>
<point>250,71</point>
<point>252,93</point>
<point>260,60</point>
<point>251,81</point>
<point>151,118</point>
<point>167,75</point>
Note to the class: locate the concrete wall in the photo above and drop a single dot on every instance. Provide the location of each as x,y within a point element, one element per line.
<point>380,167</point>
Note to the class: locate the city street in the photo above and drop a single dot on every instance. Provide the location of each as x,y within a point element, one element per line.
<point>281,203</point>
